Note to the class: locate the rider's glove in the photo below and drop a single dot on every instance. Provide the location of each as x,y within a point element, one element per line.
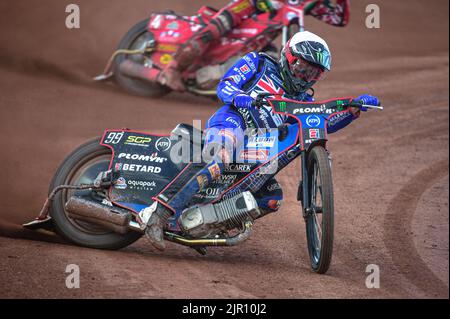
<point>308,98</point>
<point>243,100</point>
<point>368,100</point>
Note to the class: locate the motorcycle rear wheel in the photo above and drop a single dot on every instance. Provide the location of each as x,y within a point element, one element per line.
<point>82,166</point>
<point>320,219</point>
<point>135,39</point>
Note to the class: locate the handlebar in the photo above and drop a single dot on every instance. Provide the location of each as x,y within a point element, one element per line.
<point>261,100</point>
<point>367,106</point>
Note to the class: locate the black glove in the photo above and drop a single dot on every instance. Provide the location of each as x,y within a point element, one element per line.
<point>283,131</point>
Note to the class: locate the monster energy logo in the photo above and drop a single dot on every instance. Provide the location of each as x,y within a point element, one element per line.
<point>320,57</point>
<point>282,106</point>
<point>340,105</point>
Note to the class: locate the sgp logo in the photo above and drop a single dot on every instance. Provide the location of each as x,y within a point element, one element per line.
<point>138,140</point>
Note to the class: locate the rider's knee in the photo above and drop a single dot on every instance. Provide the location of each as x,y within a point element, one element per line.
<point>270,197</point>
<point>269,205</point>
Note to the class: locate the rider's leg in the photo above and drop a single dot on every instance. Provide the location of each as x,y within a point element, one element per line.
<point>222,22</point>
<point>269,197</point>
<point>222,139</point>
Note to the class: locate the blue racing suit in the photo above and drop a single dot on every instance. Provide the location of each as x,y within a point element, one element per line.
<point>253,74</point>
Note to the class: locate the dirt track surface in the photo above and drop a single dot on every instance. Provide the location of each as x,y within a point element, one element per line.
<point>390,168</point>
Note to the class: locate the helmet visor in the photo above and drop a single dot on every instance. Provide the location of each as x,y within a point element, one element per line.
<point>306,71</point>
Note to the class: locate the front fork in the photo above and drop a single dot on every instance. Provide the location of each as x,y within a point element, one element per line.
<point>303,191</point>
<point>304,195</point>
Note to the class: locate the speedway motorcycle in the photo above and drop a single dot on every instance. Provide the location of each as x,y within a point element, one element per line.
<point>108,211</point>
<point>150,45</point>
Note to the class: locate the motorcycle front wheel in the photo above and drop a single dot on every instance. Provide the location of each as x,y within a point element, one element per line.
<point>81,167</point>
<point>320,213</point>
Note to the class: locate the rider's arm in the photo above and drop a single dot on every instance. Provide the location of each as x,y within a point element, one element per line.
<point>338,15</point>
<point>340,120</point>
<point>236,77</point>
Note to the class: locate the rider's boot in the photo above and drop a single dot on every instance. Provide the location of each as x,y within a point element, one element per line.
<point>155,226</point>
<point>194,178</point>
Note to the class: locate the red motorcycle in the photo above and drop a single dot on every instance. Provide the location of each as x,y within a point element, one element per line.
<point>151,43</point>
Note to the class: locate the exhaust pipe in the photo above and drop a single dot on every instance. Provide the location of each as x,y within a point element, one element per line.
<point>138,71</point>
<point>203,242</point>
<point>112,218</point>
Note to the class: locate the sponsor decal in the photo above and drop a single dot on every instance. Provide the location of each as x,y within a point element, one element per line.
<point>340,105</point>
<point>107,202</point>
<point>263,117</point>
<point>145,158</point>
<point>212,192</point>
<point>173,25</point>
<point>141,185</point>
<point>258,142</point>
<point>236,78</point>
<point>137,168</point>
<point>232,120</point>
<point>244,69</point>
<point>238,168</point>
<point>313,121</point>
<point>113,138</point>
<point>166,47</point>
<point>241,7</point>
<point>262,6</point>
<point>195,27</point>
<point>255,155</point>
<point>306,110</point>
<point>250,62</point>
<point>121,183</point>
<point>247,118</point>
<point>166,58</point>
<point>214,170</point>
<point>202,181</point>
<point>156,23</point>
<point>282,106</point>
<point>314,133</point>
<point>163,144</point>
<point>138,141</point>
<point>251,31</point>
<point>337,118</point>
<point>226,179</point>
<point>170,33</point>
<point>273,187</point>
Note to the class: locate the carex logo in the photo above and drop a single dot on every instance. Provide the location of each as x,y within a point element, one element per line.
<point>313,121</point>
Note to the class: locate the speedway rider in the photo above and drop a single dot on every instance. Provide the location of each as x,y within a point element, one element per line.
<point>299,68</point>
<point>231,16</point>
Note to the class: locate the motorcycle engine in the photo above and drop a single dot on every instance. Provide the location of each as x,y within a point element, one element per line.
<point>208,76</point>
<point>212,219</point>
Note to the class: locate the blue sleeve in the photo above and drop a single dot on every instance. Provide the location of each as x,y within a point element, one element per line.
<point>235,78</point>
<point>339,121</point>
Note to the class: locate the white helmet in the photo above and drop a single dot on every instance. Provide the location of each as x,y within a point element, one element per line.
<point>305,59</point>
